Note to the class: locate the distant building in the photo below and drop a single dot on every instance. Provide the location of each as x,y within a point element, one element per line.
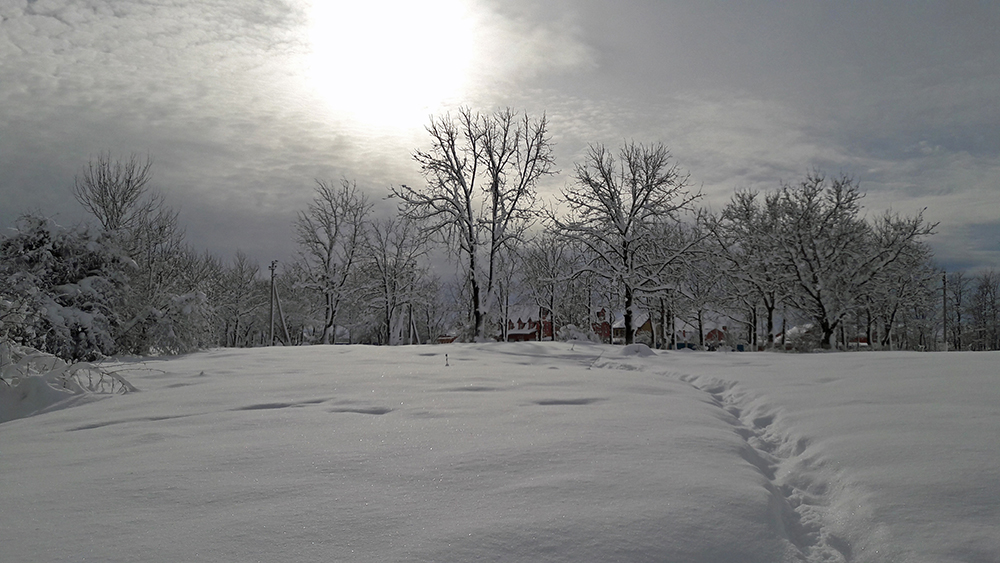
<point>602,326</point>
<point>716,337</point>
<point>614,332</point>
<point>529,325</point>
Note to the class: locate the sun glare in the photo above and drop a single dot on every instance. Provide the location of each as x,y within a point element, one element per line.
<point>389,63</point>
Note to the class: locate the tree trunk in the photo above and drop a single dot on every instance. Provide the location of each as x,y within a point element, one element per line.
<point>388,324</point>
<point>701,329</point>
<point>868,329</point>
<point>552,313</point>
<point>628,315</point>
<point>409,323</point>
<point>477,312</point>
<point>673,328</point>
<point>770,324</point>
<point>828,328</point>
<point>329,330</point>
<point>663,325</point>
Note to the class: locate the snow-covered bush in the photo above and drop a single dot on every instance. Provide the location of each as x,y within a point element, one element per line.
<point>804,338</point>
<point>176,324</point>
<point>57,289</point>
<point>31,381</point>
<point>638,349</point>
<point>572,332</point>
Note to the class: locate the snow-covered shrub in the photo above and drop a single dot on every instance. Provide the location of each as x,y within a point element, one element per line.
<point>31,381</point>
<point>176,324</point>
<point>572,332</point>
<point>645,338</point>
<point>639,349</point>
<point>57,289</point>
<point>804,338</point>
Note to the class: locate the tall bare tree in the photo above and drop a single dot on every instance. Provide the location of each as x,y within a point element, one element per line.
<point>241,300</point>
<point>745,232</point>
<point>330,235</point>
<point>116,191</point>
<point>615,205</point>
<point>395,248</point>
<point>481,173</point>
<point>701,289</point>
<point>548,267</point>
<point>958,293</point>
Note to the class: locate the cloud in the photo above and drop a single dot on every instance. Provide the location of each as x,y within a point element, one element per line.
<point>518,42</point>
<point>901,96</point>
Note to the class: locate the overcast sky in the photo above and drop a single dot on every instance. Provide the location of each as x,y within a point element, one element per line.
<point>242,104</point>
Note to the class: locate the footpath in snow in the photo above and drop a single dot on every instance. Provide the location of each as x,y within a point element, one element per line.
<point>515,452</point>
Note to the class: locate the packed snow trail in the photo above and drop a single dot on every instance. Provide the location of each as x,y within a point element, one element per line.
<point>799,501</point>
<point>900,449</point>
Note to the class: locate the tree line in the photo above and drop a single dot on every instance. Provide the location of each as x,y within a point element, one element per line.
<point>626,234</point>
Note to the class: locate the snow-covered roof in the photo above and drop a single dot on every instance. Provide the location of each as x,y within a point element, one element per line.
<point>523,314</point>
<point>639,318</point>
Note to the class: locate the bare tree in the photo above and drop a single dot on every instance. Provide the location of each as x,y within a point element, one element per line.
<point>831,253</point>
<point>481,172</point>
<point>615,205</point>
<point>745,232</point>
<point>113,190</point>
<point>241,299</point>
<point>898,288</point>
<point>432,310</point>
<point>395,247</point>
<point>700,294</point>
<point>507,280</point>
<point>984,311</point>
<point>330,235</point>
<point>958,301</point>
<point>549,264</point>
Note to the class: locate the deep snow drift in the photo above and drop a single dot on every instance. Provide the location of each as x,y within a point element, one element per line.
<point>515,452</point>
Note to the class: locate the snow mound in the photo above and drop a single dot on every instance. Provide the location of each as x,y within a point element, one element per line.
<point>32,382</point>
<point>572,332</point>
<point>640,350</point>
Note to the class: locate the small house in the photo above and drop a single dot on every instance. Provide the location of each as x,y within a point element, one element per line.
<point>529,325</point>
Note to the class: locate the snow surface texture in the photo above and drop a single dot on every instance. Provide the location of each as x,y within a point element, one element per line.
<point>516,452</point>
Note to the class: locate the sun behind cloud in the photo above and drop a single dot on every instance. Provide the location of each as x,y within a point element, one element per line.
<point>389,63</point>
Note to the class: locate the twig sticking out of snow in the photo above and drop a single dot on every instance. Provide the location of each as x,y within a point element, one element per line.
<point>591,366</point>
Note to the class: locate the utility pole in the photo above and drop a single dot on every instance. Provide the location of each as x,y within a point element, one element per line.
<point>270,332</point>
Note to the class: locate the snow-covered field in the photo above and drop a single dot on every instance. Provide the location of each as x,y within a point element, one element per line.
<point>515,452</point>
